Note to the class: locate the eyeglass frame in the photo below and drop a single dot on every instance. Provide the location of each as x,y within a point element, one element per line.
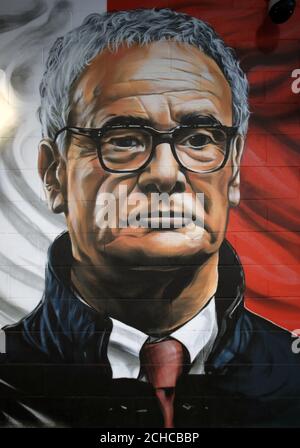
<point>158,137</point>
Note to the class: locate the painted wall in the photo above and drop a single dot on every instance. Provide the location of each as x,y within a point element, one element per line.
<point>28,30</point>
<point>264,229</point>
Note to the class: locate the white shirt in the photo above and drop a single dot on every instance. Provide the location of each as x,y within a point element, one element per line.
<point>197,335</point>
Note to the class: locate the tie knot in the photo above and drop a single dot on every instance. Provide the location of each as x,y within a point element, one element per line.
<point>163,362</point>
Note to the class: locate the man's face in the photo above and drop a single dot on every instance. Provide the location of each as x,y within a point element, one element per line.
<point>161,83</point>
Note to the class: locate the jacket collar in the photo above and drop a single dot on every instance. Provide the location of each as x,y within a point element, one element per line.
<point>228,297</point>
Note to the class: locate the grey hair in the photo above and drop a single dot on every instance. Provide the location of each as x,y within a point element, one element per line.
<point>72,53</point>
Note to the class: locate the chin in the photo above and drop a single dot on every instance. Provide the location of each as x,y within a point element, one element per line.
<point>161,247</point>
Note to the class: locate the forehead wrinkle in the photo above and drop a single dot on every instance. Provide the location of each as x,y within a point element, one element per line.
<point>176,58</point>
<point>207,75</point>
<point>166,109</point>
<point>155,79</point>
<point>192,65</point>
<point>194,75</point>
<point>140,101</point>
<point>111,99</point>
<point>166,78</point>
<point>172,111</point>
<point>102,115</point>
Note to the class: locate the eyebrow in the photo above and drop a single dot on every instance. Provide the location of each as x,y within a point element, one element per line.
<point>186,119</point>
<point>198,118</point>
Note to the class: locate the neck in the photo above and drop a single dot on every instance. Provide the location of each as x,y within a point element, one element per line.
<point>151,300</point>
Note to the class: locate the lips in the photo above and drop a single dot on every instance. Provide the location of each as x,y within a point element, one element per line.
<point>164,220</point>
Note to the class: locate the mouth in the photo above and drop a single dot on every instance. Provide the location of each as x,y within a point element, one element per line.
<point>166,220</point>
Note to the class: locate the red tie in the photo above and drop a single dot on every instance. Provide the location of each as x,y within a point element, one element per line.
<point>163,364</point>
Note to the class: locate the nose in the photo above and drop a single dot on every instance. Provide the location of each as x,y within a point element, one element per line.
<point>163,174</point>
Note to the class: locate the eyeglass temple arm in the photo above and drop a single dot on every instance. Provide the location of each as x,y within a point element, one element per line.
<point>76,130</point>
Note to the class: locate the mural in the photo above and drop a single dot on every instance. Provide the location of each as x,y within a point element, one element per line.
<point>146,319</point>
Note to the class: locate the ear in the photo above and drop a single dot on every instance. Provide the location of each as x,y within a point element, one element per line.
<point>234,184</point>
<point>52,171</point>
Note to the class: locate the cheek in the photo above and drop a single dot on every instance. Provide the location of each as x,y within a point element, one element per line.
<point>84,182</point>
<point>215,189</point>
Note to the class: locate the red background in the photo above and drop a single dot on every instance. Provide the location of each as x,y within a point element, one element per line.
<point>265,227</point>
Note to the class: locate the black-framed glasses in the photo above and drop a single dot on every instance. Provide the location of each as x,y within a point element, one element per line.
<point>130,148</point>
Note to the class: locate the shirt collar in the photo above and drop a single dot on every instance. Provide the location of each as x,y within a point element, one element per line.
<point>194,334</point>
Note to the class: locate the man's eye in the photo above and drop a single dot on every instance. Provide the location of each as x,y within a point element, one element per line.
<point>197,141</point>
<point>125,142</point>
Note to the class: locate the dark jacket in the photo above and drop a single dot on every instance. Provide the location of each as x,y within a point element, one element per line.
<point>56,364</point>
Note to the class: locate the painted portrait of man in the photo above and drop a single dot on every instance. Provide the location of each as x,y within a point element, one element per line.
<point>145,316</point>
